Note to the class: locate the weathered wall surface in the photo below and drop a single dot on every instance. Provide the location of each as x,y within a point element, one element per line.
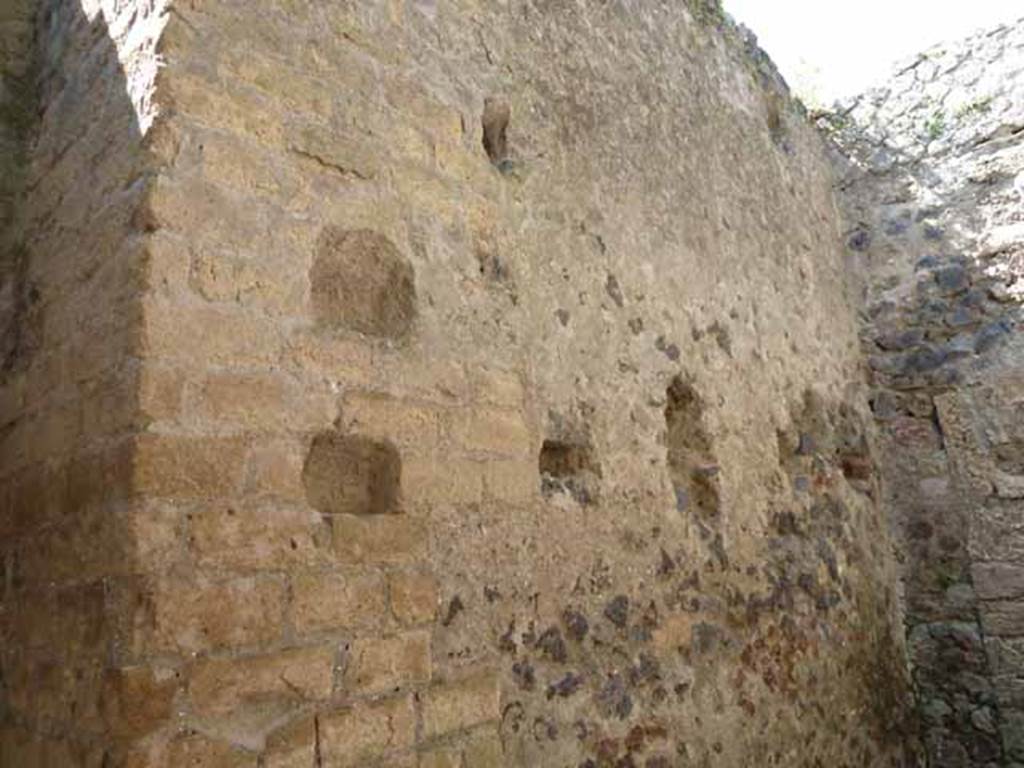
<point>70,291</point>
<point>496,401</point>
<point>16,88</point>
<point>17,119</point>
<point>936,230</point>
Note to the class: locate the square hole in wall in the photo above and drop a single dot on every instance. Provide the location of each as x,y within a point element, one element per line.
<point>570,468</point>
<point>691,462</point>
<point>347,474</point>
<point>360,281</point>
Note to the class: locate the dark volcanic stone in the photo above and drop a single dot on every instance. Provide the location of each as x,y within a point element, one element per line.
<point>523,673</point>
<point>666,565</point>
<point>991,334</point>
<point>860,240</point>
<point>576,624</point>
<point>613,290</point>
<point>959,317</point>
<point>900,340</point>
<point>897,226</point>
<point>455,607</point>
<point>613,698</point>
<point>952,279</point>
<point>924,358</point>
<point>617,610</point>
<point>706,637</point>
<point>552,645</point>
<point>565,687</point>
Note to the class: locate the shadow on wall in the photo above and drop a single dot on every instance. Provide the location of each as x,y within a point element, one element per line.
<point>69,288</point>
<point>18,79</point>
<point>66,105</point>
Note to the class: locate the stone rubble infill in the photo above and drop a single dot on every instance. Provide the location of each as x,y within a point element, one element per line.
<point>930,169</point>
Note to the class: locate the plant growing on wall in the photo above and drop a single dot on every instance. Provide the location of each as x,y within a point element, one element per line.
<point>935,126</point>
<point>977,107</point>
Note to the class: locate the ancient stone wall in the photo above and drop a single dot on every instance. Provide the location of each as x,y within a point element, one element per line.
<point>932,183</point>
<point>71,288</point>
<point>483,391</point>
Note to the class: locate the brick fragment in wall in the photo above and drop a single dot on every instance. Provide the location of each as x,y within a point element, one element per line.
<point>414,596</point>
<point>377,664</point>
<point>190,748</point>
<point>328,600</point>
<point>245,535</point>
<point>295,745</point>
<point>378,538</point>
<point>460,704</point>
<point>234,688</point>
<point>193,615</point>
<point>350,735</point>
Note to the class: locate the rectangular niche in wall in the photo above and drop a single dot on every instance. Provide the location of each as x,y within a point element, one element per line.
<point>360,281</point>
<point>349,474</point>
<point>691,462</point>
<point>569,467</point>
